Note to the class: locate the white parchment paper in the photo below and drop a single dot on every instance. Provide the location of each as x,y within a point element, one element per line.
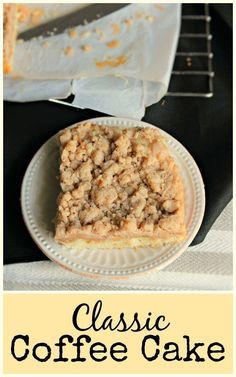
<point>147,45</point>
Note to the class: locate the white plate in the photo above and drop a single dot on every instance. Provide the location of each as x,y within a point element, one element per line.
<point>38,199</point>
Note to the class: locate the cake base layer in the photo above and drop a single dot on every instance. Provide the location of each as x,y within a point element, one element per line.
<point>122,243</point>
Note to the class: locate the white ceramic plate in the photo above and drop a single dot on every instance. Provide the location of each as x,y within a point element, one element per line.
<point>38,198</point>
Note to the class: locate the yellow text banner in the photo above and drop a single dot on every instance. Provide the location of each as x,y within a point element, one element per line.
<point>117,333</point>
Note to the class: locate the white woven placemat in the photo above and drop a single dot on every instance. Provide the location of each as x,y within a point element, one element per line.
<point>207,266</point>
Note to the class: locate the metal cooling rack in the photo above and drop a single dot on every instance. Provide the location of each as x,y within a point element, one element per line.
<point>186,71</point>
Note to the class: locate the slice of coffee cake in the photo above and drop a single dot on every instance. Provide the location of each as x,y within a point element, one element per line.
<point>9,35</point>
<point>120,188</point>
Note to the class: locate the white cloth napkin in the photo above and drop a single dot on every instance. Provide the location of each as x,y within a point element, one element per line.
<point>207,266</point>
<point>119,81</point>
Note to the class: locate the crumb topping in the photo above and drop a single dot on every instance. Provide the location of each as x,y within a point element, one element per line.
<point>138,15</point>
<point>72,33</point>
<point>159,7</point>
<point>113,44</point>
<point>23,12</point>
<point>115,29</point>
<point>129,22</point>
<point>117,181</point>
<point>36,16</point>
<point>69,51</point>
<point>113,62</point>
<point>87,48</point>
<point>29,15</point>
<point>9,35</point>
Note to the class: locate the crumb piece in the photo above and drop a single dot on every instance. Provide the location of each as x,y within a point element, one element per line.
<point>69,51</point>
<point>87,48</point>
<point>129,22</point>
<point>129,225</point>
<point>45,44</point>
<point>150,18</point>
<point>105,196</point>
<point>113,44</point>
<point>138,15</point>
<point>170,205</point>
<point>90,215</point>
<point>85,22</point>
<point>159,7</point>
<point>23,12</point>
<point>97,157</point>
<point>9,35</point>
<point>85,34</point>
<point>115,62</point>
<point>115,29</point>
<point>36,16</point>
<point>19,41</point>
<point>72,33</point>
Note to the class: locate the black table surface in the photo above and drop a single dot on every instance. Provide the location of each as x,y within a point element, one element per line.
<point>203,126</point>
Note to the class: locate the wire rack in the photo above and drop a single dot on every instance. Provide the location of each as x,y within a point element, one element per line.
<point>186,80</point>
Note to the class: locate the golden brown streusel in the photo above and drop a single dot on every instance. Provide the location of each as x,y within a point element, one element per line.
<point>116,183</point>
<point>113,44</point>
<point>69,51</point>
<point>9,35</point>
<point>112,62</point>
<point>87,48</point>
<point>72,33</point>
<point>129,22</point>
<point>115,29</point>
